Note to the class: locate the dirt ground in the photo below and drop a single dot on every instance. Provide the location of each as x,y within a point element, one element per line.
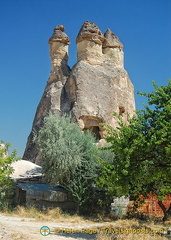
<point>20,228</point>
<point>16,228</point>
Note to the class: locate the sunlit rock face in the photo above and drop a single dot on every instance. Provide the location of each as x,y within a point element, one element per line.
<point>92,90</point>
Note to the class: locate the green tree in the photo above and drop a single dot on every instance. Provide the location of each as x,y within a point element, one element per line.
<point>68,156</point>
<point>6,184</point>
<point>142,162</point>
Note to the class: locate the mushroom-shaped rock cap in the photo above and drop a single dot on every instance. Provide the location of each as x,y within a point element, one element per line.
<point>90,31</point>
<point>59,35</point>
<point>111,40</point>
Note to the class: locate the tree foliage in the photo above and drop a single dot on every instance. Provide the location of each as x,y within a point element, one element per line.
<point>142,150</point>
<point>6,184</point>
<point>68,156</point>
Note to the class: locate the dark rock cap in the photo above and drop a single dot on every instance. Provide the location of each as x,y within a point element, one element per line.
<point>59,35</point>
<point>111,40</point>
<point>90,31</point>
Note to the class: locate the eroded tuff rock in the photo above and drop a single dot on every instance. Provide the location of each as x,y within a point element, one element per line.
<point>100,92</point>
<point>96,86</point>
<point>111,40</point>
<point>89,43</point>
<point>59,35</point>
<point>51,99</point>
<point>91,32</point>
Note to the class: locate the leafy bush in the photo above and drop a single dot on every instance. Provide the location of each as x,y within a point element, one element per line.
<point>143,151</point>
<point>68,156</point>
<point>6,184</point>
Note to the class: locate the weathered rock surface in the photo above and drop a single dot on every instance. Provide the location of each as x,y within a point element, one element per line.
<point>91,32</point>
<point>113,50</point>
<point>101,90</point>
<point>96,86</point>
<point>51,99</point>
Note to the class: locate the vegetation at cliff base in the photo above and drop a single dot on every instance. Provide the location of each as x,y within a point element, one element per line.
<point>142,162</point>
<point>68,156</point>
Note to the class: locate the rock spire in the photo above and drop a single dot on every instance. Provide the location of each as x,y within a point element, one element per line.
<point>59,35</point>
<point>111,40</point>
<point>95,87</point>
<point>90,31</point>
<point>113,50</point>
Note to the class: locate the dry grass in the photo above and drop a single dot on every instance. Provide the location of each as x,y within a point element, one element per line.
<point>134,225</point>
<point>130,236</point>
<point>20,236</point>
<point>55,215</point>
<point>141,237</point>
<point>27,212</point>
<point>124,223</point>
<point>102,236</point>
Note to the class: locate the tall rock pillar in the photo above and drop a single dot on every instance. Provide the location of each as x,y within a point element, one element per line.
<point>113,50</point>
<point>97,85</point>
<point>89,44</point>
<point>51,99</point>
<point>103,85</point>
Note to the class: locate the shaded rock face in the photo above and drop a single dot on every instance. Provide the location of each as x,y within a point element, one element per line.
<point>92,90</point>
<point>53,93</point>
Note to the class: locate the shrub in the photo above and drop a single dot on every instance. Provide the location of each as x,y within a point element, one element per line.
<point>68,156</point>
<point>6,184</point>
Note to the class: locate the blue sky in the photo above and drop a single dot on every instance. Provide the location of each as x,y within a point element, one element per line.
<point>143,26</point>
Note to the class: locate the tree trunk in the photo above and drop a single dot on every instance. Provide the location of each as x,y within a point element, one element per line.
<point>167,213</point>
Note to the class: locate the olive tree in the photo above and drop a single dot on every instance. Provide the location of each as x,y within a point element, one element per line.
<point>68,156</point>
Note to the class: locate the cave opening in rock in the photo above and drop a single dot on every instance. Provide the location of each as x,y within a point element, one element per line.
<point>91,124</point>
<point>95,131</point>
<point>121,110</point>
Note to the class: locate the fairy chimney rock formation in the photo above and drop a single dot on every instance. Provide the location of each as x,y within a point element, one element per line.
<point>59,42</point>
<point>113,49</point>
<point>92,90</point>
<point>89,43</point>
